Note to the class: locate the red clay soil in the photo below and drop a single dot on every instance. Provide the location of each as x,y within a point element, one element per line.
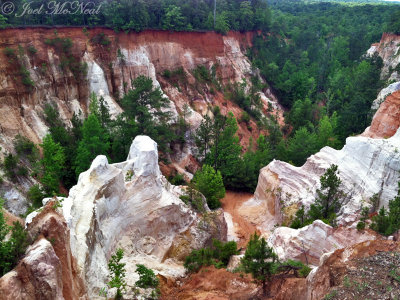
<point>231,204</point>
<point>10,218</point>
<point>219,284</point>
<point>209,283</point>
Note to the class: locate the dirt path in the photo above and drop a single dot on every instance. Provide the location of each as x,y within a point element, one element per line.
<point>231,204</point>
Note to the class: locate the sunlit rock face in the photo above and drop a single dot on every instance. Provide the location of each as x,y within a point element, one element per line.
<point>130,205</point>
<point>387,118</point>
<point>366,166</point>
<point>309,243</point>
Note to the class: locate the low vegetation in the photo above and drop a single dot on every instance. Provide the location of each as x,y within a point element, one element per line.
<point>387,221</point>
<point>117,273</point>
<point>11,247</point>
<point>218,255</point>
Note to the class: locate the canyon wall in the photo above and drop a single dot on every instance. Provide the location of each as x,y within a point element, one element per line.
<point>368,164</point>
<point>66,64</point>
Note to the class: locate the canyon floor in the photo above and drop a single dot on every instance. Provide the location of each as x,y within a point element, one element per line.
<point>231,204</point>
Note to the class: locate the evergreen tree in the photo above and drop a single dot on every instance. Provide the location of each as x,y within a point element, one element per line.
<point>259,260</point>
<point>387,222</point>
<point>225,152</point>
<point>204,136</point>
<point>329,196</point>
<point>53,163</point>
<point>94,142</point>
<point>209,182</point>
<point>302,145</point>
<point>117,273</point>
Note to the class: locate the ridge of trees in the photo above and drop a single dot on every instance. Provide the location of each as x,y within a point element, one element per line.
<point>137,15</point>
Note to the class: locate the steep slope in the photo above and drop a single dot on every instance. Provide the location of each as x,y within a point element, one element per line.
<point>387,118</point>
<point>108,64</point>
<point>368,164</point>
<point>366,167</point>
<point>48,270</point>
<point>63,66</point>
<point>388,50</point>
<point>130,205</point>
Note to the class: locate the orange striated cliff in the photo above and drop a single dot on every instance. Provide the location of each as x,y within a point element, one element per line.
<point>40,66</point>
<point>147,53</point>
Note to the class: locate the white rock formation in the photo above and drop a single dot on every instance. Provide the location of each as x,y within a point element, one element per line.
<point>309,243</point>
<point>366,166</point>
<point>130,205</point>
<point>390,89</point>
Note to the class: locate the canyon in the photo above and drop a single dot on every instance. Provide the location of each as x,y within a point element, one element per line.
<point>131,205</point>
<point>106,63</point>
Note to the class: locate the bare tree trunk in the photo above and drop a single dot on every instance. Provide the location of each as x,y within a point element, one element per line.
<point>215,10</point>
<point>264,287</point>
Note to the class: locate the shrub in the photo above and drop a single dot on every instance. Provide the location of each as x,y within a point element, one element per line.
<point>301,269</point>
<point>117,273</point>
<point>101,39</point>
<point>245,117</point>
<point>26,77</point>
<point>25,148</point>
<point>218,255</point>
<point>11,249</point>
<point>194,198</point>
<point>201,73</point>
<point>10,53</point>
<point>35,195</point>
<point>198,258</point>
<point>167,74</point>
<point>361,225</point>
<point>10,166</point>
<point>387,222</point>
<point>147,278</point>
<point>31,49</point>
<point>177,180</point>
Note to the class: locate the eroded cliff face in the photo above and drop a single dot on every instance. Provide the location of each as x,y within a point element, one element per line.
<point>388,50</point>
<point>113,61</point>
<point>128,205</point>
<point>368,164</point>
<point>99,60</point>
<point>387,118</point>
<point>48,269</point>
<point>366,167</point>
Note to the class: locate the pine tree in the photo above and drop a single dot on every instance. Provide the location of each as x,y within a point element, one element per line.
<point>209,182</point>
<point>259,260</point>
<point>329,196</point>
<point>94,142</point>
<point>117,273</point>
<point>53,163</point>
